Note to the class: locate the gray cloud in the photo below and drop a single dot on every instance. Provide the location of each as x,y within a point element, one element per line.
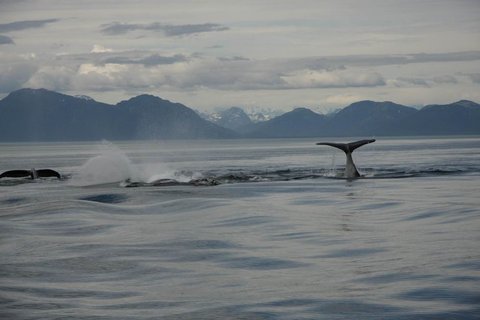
<point>335,63</point>
<point>341,78</point>
<point>22,25</point>
<point>110,71</point>
<point>241,74</point>
<point>445,57</point>
<point>6,40</point>
<point>387,59</point>
<point>236,58</point>
<point>151,60</point>
<point>475,77</point>
<point>146,58</point>
<point>407,82</point>
<point>117,28</point>
<point>12,77</point>
<point>446,79</point>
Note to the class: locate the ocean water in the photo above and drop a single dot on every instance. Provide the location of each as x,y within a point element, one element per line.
<point>241,229</point>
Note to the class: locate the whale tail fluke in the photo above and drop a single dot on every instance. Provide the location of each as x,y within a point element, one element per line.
<point>347,147</point>
<point>45,173</point>
<point>350,168</point>
<point>33,174</point>
<point>17,174</point>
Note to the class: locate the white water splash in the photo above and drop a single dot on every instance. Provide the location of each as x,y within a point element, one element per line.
<point>112,165</point>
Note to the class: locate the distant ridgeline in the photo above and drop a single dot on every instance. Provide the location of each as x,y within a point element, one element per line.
<point>42,115</point>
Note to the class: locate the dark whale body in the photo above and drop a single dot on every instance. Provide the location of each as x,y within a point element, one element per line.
<point>32,174</point>
<point>351,171</point>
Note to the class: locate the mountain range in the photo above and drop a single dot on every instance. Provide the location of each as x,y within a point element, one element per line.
<point>370,118</point>
<point>43,115</point>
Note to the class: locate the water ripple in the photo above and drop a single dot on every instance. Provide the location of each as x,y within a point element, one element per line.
<point>106,198</point>
<point>442,294</point>
<point>259,263</point>
<point>348,253</point>
<point>245,221</point>
<point>57,293</point>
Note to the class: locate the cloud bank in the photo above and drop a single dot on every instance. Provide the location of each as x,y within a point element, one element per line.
<point>107,70</point>
<point>6,40</point>
<point>22,25</point>
<point>169,30</point>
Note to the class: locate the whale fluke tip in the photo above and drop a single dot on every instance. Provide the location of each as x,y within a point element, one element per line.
<point>42,173</point>
<point>33,174</point>
<point>347,147</point>
<point>17,174</point>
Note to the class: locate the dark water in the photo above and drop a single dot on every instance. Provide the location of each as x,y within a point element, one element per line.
<point>260,229</point>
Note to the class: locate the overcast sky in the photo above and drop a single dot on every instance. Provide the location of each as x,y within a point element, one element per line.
<point>266,53</point>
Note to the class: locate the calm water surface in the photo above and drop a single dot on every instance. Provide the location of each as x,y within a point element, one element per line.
<point>270,233</point>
